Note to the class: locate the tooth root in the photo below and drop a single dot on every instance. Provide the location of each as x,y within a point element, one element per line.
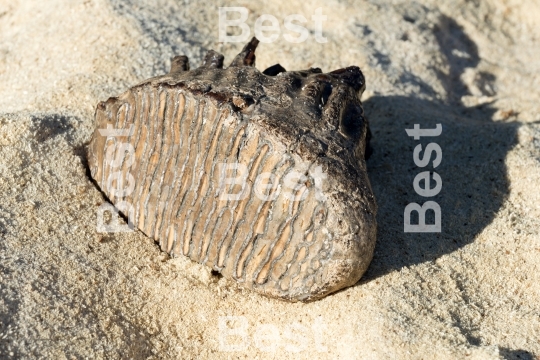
<point>179,63</point>
<point>213,60</point>
<point>351,76</point>
<point>247,55</point>
<point>274,70</point>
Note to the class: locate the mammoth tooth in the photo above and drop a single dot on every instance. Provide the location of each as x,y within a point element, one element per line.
<point>245,177</point>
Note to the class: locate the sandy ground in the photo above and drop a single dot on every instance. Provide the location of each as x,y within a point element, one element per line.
<point>471,291</point>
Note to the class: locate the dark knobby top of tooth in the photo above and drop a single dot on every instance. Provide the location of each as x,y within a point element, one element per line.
<point>320,102</point>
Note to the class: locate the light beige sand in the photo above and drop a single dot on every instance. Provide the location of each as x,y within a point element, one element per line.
<point>472,291</point>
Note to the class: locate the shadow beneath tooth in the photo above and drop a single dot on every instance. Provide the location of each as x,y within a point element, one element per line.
<point>473,172</point>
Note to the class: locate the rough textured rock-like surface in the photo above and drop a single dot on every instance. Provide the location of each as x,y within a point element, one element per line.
<point>286,237</point>
<point>470,292</point>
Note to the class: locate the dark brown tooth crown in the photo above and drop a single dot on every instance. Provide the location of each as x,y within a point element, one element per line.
<point>184,126</point>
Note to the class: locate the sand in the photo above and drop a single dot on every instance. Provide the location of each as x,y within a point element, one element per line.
<point>471,291</point>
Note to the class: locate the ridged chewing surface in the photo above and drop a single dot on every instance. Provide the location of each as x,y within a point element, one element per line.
<point>183,126</point>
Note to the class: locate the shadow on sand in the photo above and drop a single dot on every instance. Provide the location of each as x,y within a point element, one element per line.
<point>473,170</point>
<point>473,173</point>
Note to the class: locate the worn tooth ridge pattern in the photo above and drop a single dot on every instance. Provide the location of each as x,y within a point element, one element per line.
<point>298,222</point>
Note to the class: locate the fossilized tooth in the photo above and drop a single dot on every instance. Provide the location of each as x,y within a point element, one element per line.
<point>302,224</point>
